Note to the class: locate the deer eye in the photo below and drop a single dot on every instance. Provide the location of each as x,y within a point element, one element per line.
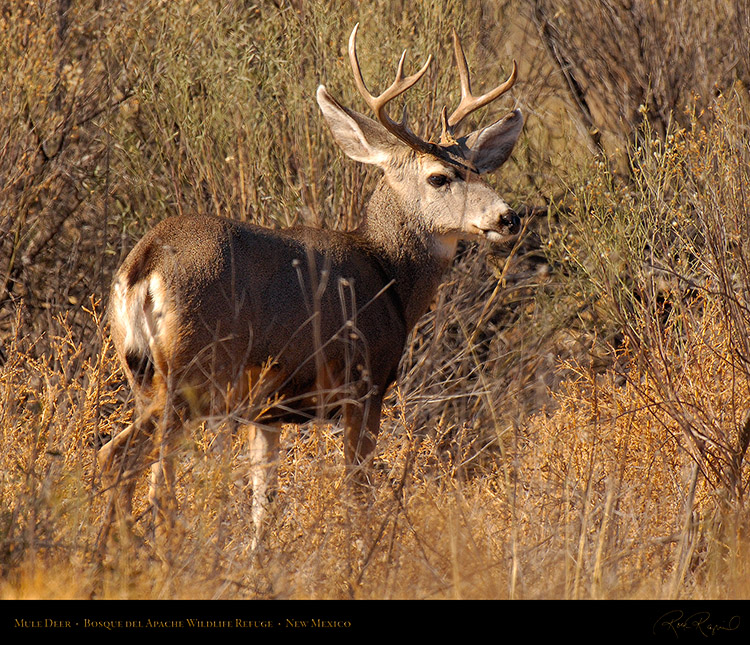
<point>437,180</point>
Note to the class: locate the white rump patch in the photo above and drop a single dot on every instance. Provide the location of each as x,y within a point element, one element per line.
<point>140,312</point>
<point>154,307</point>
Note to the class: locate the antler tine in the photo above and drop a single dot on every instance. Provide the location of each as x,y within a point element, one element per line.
<point>399,86</point>
<point>469,103</point>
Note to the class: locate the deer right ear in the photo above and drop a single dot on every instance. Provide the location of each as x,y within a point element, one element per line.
<point>361,138</point>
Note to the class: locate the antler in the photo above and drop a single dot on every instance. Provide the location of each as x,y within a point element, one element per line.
<point>469,103</point>
<point>377,103</point>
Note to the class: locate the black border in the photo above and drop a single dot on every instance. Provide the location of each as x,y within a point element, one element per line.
<point>584,621</point>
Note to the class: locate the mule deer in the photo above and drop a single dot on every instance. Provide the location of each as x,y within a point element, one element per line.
<point>211,315</point>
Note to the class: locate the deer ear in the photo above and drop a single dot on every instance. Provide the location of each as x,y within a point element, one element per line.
<point>490,147</point>
<point>359,137</point>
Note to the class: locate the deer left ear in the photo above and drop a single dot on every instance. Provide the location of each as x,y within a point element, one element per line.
<point>490,147</point>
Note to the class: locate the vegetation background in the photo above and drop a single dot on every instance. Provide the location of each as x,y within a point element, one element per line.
<point>572,415</point>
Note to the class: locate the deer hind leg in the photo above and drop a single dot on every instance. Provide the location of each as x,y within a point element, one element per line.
<point>122,460</point>
<point>263,456</point>
<point>161,494</point>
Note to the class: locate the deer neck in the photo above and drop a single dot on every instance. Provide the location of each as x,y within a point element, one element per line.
<point>413,257</point>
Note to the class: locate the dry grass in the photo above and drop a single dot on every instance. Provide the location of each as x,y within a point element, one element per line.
<point>597,500</point>
<point>570,420</point>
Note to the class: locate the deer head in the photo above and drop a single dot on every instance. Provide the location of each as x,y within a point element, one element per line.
<point>437,183</point>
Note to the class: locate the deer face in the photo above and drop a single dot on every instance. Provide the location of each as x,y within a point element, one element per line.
<point>452,200</point>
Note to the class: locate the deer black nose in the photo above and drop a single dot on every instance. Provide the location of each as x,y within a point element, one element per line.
<point>512,222</point>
